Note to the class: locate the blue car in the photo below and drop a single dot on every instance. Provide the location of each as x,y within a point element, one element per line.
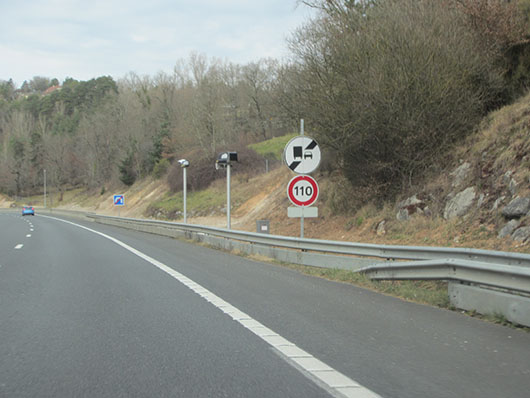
<point>28,211</point>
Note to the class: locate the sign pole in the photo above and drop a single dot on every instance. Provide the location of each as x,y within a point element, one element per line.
<point>44,188</point>
<point>184,190</point>
<point>302,218</point>
<point>228,195</point>
<point>302,225</point>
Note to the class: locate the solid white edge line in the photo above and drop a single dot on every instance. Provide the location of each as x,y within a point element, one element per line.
<point>319,372</point>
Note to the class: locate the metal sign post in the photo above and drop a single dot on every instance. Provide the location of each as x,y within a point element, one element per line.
<point>184,191</point>
<point>44,188</point>
<point>184,164</point>
<point>228,166</point>
<point>302,217</point>
<point>225,160</point>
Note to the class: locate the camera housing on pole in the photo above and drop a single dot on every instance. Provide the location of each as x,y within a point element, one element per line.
<point>184,164</point>
<point>225,161</point>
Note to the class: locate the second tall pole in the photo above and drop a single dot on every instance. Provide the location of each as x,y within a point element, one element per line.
<point>228,166</point>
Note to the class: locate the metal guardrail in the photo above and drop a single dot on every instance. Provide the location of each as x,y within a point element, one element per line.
<point>510,271</point>
<point>388,252</point>
<point>466,270</point>
<point>504,271</point>
<point>506,277</point>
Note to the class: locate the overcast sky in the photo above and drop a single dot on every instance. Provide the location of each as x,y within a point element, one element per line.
<point>84,39</point>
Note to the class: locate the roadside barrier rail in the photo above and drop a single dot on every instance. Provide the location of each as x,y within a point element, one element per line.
<point>506,272</point>
<point>388,252</point>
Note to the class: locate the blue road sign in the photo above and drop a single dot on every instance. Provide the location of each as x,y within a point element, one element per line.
<point>119,200</point>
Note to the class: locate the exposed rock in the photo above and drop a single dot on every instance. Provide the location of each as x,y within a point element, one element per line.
<point>517,208</point>
<point>508,228</point>
<point>427,212</point>
<point>412,201</point>
<point>460,203</point>
<point>507,177</point>
<point>498,202</point>
<point>381,228</point>
<point>460,174</point>
<point>408,207</point>
<point>521,234</point>
<point>512,187</point>
<point>480,201</point>
<point>402,215</point>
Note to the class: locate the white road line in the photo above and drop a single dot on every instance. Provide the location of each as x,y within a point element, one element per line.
<point>28,236</point>
<point>19,246</point>
<point>320,373</point>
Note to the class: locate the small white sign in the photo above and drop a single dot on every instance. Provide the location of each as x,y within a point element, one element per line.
<point>307,212</point>
<point>302,154</point>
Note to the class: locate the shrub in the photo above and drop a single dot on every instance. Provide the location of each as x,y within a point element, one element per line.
<point>391,87</point>
<point>127,170</point>
<point>160,168</point>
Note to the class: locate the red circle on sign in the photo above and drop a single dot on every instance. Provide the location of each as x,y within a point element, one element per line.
<point>291,194</point>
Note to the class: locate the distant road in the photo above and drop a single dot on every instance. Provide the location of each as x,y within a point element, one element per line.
<point>107,312</point>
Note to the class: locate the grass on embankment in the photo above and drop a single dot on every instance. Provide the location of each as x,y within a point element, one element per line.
<point>273,148</point>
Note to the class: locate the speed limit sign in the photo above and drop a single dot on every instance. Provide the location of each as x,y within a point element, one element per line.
<point>302,190</point>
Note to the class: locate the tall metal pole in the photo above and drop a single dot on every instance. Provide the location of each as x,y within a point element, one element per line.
<point>184,190</point>
<point>302,217</point>
<point>228,195</point>
<point>44,188</point>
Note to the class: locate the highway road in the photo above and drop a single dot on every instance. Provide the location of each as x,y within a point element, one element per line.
<point>89,310</point>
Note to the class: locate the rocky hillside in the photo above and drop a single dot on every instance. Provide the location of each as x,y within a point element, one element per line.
<point>481,199</point>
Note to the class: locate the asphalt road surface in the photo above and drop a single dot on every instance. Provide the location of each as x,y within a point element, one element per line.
<point>88,310</point>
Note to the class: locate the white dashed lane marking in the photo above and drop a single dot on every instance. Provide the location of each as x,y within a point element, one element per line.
<point>19,246</point>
